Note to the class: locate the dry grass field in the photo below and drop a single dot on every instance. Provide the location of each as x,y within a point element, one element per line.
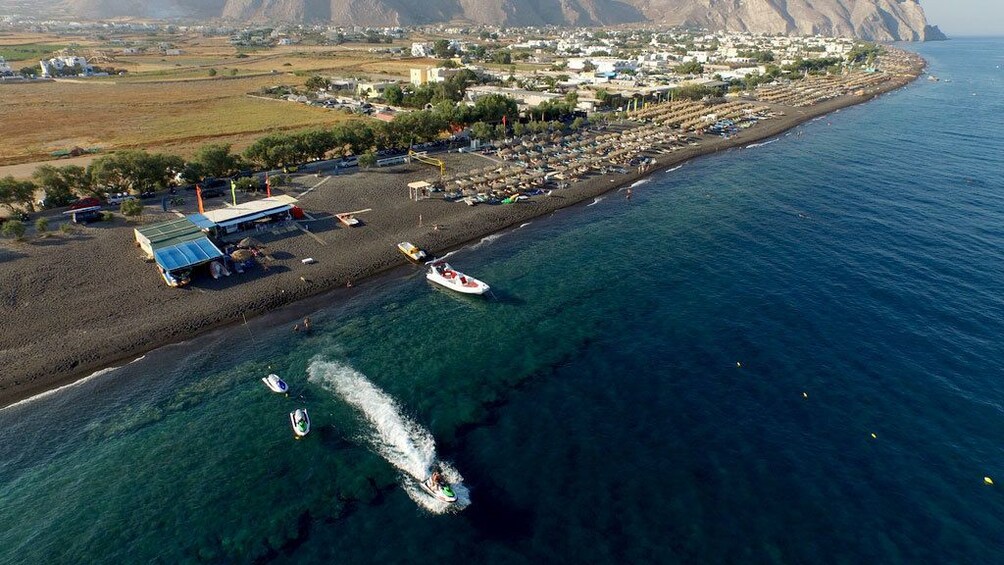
<point>170,103</point>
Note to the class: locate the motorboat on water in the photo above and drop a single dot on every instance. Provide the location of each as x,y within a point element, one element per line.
<point>441,273</point>
<point>439,488</point>
<point>411,251</point>
<point>300,422</point>
<point>275,384</point>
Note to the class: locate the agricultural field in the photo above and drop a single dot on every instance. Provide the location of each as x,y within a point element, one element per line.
<point>176,116</point>
<point>174,103</point>
<point>28,53</point>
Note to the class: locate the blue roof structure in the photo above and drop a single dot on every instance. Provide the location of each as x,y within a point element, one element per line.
<point>201,222</point>
<point>186,254</point>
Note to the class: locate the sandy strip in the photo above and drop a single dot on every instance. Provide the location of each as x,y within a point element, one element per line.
<point>71,305</point>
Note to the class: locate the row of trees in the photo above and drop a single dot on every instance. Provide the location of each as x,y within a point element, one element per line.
<point>140,171</point>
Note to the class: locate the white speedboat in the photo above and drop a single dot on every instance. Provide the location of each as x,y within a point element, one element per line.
<point>443,274</point>
<point>300,422</point>
<point>440,489</point>
<point>411,251</point>
<point>275,384</point>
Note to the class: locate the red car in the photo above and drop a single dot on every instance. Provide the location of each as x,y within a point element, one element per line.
<point>85,203</point>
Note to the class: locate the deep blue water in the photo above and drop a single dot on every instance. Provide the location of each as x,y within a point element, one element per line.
<point>691,376</point>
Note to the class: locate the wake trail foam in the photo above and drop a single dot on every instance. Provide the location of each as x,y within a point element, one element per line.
<point>595,201</point>
<point>676,168</point>
<point>400,440</point>
<point>753,145</point>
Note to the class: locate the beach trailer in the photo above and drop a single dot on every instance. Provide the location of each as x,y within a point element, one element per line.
<point>177,247</point>
<point>84,215</point>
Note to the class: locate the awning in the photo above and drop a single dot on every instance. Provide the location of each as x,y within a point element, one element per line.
<point>187,254</point>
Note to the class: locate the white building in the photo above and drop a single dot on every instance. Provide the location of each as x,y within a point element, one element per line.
<point>56,64</point>
<point>5,69</point>
<point>421,49</point>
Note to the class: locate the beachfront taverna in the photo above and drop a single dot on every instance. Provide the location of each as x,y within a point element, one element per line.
<point>180,245</point>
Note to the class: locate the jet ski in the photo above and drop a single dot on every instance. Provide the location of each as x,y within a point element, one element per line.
<point>300,422</point>
<point>275,384</point>
<point>439,488</point>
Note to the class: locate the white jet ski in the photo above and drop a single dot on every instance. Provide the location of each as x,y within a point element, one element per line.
<point>275,384</point>
<point>300,422</point>
<point>440,489</point>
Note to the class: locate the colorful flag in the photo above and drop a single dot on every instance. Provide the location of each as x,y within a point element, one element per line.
<point>233,190</point>
<point>198,196</point>
<point>268,186</point>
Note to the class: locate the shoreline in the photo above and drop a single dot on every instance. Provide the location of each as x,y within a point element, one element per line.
<point>282,294</point>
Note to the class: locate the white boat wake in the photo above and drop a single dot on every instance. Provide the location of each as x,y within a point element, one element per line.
<point>398,439</point>
<point>595,201</point>
<point>676,168</point>
<point>753,145</point>
<point>639,183</point>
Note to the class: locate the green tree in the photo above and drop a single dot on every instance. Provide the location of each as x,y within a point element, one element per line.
<point>232,72</point>
<point>482,131</point>
<point>211,72</point>
<point>502,57</point>
<point>131,208</point>
<point>367,159</point>
<point>690,68</point>
<point>15,192</point>
<point>61,184</point>
<point>393,95</point>
<point>248,184</point>
<point>216,160</point>
<point>441,49</point>
<point>13,229</point>
<point>133,171</point>
<point>491,108</point>
<point>316,82</point>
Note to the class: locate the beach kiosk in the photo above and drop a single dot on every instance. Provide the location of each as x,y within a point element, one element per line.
<point>177,246</point>
<point>253,215</point>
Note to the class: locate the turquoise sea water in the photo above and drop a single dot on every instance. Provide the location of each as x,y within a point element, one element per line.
<point>691,376</point>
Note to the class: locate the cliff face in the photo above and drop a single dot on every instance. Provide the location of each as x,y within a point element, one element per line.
<point>882,20</point>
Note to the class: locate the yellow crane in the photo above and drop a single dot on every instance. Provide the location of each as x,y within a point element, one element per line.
<point>421,157</point>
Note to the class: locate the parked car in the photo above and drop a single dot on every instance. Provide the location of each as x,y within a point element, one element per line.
<point>85,203</point>
<point>118,197</point>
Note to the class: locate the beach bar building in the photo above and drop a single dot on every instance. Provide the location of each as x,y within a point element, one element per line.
<point>250,215</point>
<point>178,246</point>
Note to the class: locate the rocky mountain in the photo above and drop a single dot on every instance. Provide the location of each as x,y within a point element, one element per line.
<point>883,20</point>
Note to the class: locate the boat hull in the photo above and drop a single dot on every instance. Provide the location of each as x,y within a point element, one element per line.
<point>275,384</point>
<point>438,494</point>
<point>298,430</point>
<point>447,277</point>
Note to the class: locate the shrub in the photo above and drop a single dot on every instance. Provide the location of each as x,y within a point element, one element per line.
<point>42,225</point>
<point>107,216</point>
<point>66,228</point>
<point>212,72</point>
<point>13,229</point>
<point>131,208</point>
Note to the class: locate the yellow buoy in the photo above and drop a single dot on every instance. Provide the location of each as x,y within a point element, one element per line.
<point>988,481</point>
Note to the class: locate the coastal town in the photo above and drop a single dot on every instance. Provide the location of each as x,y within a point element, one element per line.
<point>436,136</point>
